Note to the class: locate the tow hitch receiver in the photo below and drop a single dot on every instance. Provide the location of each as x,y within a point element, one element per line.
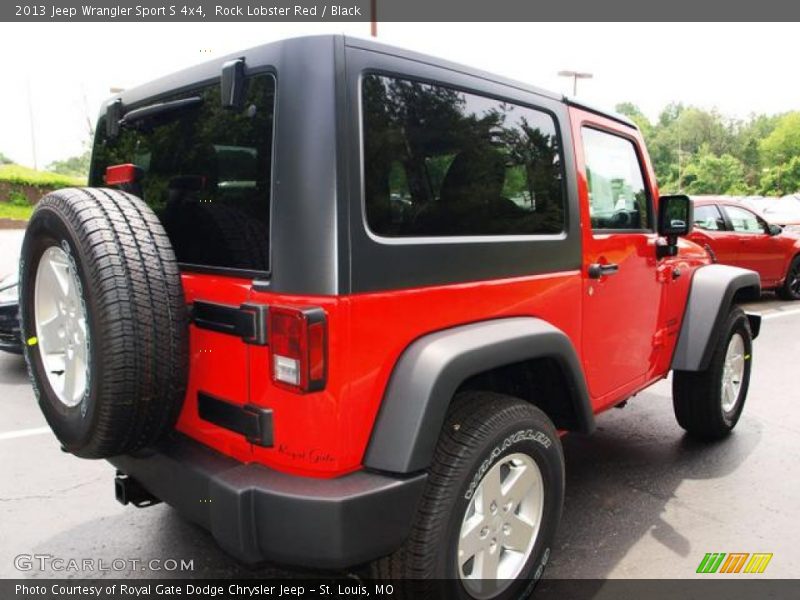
<point>129,491</point>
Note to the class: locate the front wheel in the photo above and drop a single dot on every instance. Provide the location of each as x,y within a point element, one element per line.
<point>708,403</point>
<point>492,502</point>
<point>790,290</point>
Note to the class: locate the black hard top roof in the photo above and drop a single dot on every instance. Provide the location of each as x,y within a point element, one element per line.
<point>210,69</point>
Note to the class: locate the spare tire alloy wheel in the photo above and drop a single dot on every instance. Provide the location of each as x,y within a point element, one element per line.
<point>104,321</point>
<point>61,327</point>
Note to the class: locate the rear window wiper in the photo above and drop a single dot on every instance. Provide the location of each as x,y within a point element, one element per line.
<point>159,109</point>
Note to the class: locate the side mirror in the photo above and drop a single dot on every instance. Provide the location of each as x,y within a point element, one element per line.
<point>675,216</point>
<point>773,229</point>
<point>675,219</point>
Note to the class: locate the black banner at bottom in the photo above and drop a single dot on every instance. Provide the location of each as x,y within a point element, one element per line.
<point>711,588</point>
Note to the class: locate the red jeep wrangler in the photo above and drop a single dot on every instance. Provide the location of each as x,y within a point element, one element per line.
<point>337,302</point>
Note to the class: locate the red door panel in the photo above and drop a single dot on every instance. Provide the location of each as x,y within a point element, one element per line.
<point>758,250</point>
<point>621,309</point>
<point>764,254</point>
<point>724,245</point>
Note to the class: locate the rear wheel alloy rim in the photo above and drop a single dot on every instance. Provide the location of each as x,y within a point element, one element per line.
<point>61,326</point>
<point>500,525</point>
<point>732,373</point>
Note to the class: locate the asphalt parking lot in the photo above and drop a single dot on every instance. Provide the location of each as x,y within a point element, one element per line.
<point>643,501</point>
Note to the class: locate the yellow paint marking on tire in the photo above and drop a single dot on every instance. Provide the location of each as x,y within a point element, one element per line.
<point>32,341</point>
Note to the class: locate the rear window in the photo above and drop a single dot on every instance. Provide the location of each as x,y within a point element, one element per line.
<point>443,162</point>
<point>206,172</point>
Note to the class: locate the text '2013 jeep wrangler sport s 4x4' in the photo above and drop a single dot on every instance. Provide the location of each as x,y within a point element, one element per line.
<point>336,302</point>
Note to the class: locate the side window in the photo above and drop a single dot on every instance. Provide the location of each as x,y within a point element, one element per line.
<point>744,221</point>
<point>618,198</point>
<point>708,217</point>
<point>442,162</point>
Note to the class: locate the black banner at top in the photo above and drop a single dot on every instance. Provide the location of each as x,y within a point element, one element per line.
<point>397,10</point>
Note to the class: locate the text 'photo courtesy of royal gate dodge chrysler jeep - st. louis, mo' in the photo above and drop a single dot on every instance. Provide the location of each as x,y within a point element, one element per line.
<point>326,289</point>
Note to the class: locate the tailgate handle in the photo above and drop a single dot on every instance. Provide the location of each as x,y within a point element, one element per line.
<point>247,321</point>
<point>253,422</point>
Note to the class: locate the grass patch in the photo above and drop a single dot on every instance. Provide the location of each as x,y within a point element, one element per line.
<point>12,211</point>
<point>19,175</point>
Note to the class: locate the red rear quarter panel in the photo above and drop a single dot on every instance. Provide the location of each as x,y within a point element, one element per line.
<point>325,434</point>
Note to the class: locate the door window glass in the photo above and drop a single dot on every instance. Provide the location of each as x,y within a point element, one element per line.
<point>744,221</point>
<point>618,198</point>
<point>709,218</point>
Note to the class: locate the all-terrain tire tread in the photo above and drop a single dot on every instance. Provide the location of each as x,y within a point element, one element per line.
<point>472,418</point>
<point>140,317</point>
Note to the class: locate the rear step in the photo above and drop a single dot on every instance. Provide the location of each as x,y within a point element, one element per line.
<point>129,491</point>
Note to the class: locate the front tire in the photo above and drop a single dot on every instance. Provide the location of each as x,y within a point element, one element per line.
<point>493,500</point>
<point>790,290</point>
<point>708,403</point>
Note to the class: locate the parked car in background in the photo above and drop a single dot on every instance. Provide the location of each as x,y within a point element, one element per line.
<point>735,235</point>
<point>783,211</point>
<point>10,340</point>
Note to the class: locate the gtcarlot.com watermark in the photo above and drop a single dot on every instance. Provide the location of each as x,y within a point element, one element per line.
<point>48,562</point>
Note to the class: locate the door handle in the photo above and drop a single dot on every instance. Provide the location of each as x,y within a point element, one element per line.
<point>596,270</point>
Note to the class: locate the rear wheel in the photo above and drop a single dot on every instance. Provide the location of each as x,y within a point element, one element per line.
<point>790,290</point>
<point>492,503</point>
<point>708,403</point>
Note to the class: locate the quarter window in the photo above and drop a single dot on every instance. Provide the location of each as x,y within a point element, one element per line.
<point>618,198</point>
<point>442,162</point>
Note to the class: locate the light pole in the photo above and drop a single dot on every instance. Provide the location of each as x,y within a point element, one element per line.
<point>33,128</point>
<point>575,76</point>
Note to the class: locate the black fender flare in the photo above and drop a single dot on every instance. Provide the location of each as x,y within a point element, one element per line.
<point>711,297</point>
<point>431,369</point>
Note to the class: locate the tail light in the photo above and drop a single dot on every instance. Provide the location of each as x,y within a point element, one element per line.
<point>298,340</point>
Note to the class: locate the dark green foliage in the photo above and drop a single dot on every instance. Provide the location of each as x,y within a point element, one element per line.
<point>703,152</point>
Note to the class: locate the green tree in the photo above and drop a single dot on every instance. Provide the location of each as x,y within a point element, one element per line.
<point>685,143</point>
<point>4,160</point>
<point>74,166</point>
<point>635,114</point>
<point>708,173</point>
<point>783,143</point>
<point>782,179</point>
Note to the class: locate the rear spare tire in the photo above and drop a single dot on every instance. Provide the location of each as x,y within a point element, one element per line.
<point>104,321</point>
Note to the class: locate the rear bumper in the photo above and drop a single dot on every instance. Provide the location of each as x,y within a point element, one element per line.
<point>257,514</point>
